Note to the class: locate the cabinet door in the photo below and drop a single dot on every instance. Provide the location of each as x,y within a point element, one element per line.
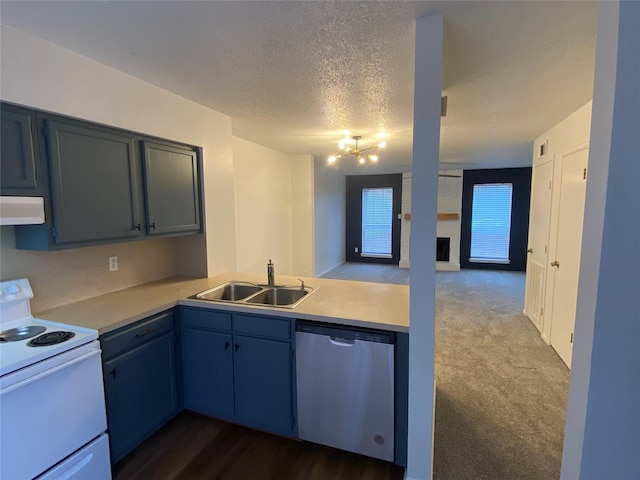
<point>263,372</point>
<point>207,372</point>
<point>19,154</point>
<point>141,393</point>
<point>94,183</point>
<point>171,187</point>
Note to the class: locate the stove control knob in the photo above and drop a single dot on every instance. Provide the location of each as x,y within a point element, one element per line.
<point>12,289</point>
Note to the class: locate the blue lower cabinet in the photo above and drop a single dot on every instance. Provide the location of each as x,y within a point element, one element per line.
<point>264,384</point>
<point>207,366</point>
<point>239,368</point>
<point>141,393</point>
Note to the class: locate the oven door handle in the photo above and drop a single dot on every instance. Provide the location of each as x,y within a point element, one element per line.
<point>46,373</point>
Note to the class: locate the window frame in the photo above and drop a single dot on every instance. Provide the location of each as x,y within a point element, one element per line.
<point>367,224</point>
<point>500,214</point>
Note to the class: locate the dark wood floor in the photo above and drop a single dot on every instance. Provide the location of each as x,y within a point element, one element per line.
<point>193,446</point>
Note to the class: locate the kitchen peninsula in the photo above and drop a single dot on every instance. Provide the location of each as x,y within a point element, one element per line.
<point>363,304</point>
<point>164,351</point>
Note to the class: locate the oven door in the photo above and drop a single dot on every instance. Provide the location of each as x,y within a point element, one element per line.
<point>50,410</point>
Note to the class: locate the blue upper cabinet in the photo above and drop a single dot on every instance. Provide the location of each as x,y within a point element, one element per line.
<point>172,190</point>
<point>105,185</point>
<point>20,160</point>
<point>94,184</point>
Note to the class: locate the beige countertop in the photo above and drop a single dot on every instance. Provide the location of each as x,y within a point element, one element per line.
<point>374,305</point>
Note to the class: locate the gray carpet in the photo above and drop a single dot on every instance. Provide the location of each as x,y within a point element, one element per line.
<point>501,391</point>
<point>370,272</point>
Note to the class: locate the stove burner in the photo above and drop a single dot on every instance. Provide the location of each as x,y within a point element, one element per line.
<point>21,333</point>
<point>50,338</point>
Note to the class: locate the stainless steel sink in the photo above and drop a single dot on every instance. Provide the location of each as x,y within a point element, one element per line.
<point>280,296</point>
<point>246,293</point>
<point>230,292</point>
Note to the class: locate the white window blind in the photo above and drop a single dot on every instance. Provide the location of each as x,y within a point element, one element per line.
<point>377,213</point>
<point>491,222</point>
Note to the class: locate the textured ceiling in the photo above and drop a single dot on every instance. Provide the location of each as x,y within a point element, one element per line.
<point>295,75</point>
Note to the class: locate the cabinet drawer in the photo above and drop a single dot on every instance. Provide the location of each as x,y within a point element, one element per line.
<point>130,337</point>
<point>262,326</point>
<point>205,319</point>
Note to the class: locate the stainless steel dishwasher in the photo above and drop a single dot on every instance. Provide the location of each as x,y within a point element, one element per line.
<point>345,392</point>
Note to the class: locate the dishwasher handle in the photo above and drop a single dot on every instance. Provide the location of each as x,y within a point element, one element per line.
<point>345,335</point>
<point>342,342</point>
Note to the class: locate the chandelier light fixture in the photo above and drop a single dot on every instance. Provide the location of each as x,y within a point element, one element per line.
<point>357,152</point>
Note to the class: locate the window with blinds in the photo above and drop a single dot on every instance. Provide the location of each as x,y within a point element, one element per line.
<point>377,213</point>
<point>491,222</point>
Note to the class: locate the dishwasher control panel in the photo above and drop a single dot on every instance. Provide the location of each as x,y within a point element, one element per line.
<point>346,333</point>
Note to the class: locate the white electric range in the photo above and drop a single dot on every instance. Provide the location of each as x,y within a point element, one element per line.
<point>52,409</point>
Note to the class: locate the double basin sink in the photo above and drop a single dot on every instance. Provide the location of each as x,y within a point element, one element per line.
<point>255,294</point>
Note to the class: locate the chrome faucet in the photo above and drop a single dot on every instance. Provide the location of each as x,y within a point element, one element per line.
<point>270,274</point>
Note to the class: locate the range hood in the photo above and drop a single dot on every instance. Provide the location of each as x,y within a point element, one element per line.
<point>21,210</point>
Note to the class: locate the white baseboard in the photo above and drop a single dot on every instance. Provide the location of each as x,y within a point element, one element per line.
<point>545,339</point>
<point>328,269</point>
<point>447,267</point>
<point>440,266</point>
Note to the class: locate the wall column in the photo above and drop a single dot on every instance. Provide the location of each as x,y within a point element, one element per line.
<point>602,434</point>
<point>424,201</point>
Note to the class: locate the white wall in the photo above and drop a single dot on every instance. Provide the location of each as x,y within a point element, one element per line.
<point>263,207</point>
<point>602,434</point>
<point>566,136</point>
<point>449,201</point>
<point>329,216</point>
<point>44,76</point>
<point>274,205</point>
<point>302,204</point>
<point>426,151</point>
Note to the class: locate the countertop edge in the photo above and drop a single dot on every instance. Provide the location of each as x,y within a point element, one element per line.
<point>373,303</point>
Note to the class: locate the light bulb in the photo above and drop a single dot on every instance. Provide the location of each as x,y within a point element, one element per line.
<point>332,159</point>
<point>361,159</point>
<point>341,146</point>
<point>347,149</point>
<point>382,144</point>
<point>373,158</point>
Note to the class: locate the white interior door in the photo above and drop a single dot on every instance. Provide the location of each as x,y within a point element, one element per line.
<point>566,265</point>
<point>539,219</point>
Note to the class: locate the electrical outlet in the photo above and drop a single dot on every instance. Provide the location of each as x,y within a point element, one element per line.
<point>356,249</point>
<point>113,264</point>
